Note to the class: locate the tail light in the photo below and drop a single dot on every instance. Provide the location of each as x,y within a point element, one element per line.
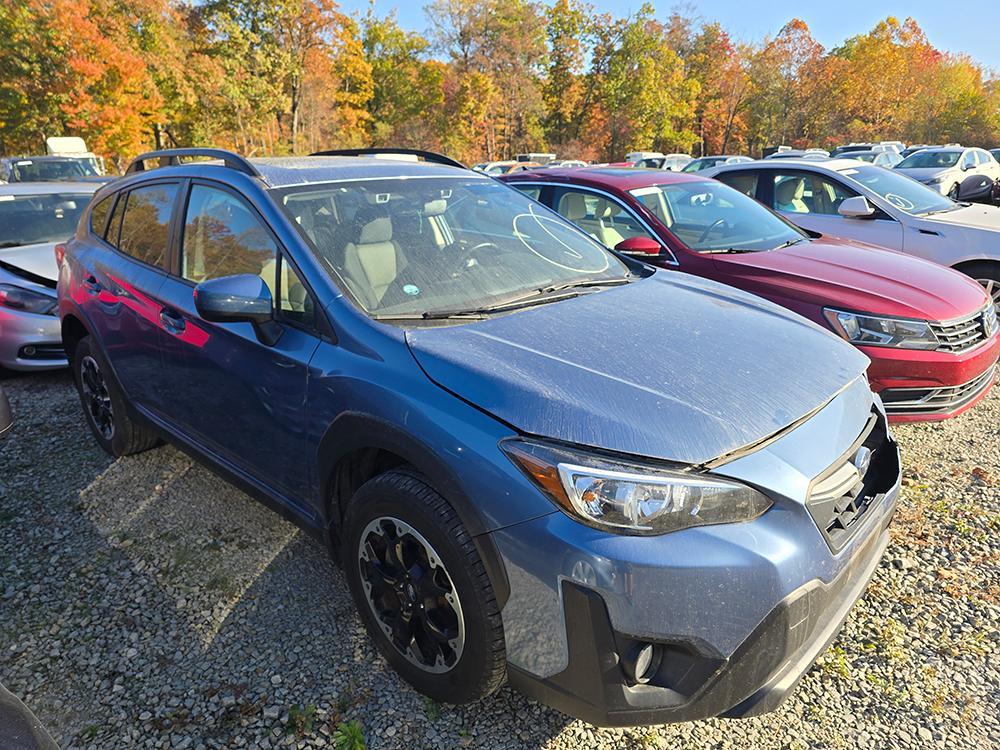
<point>60,251</point>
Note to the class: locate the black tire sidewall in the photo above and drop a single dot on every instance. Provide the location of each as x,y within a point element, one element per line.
<point>117,445</point>
<point>385,498</point>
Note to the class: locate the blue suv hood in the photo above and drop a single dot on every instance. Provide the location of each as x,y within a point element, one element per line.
<point>672,367</point>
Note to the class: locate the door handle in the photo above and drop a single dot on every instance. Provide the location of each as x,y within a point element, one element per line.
<point>92,285</point>
<point>172,321</point>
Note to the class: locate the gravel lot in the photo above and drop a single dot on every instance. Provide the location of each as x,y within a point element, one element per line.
<point>146,603</point>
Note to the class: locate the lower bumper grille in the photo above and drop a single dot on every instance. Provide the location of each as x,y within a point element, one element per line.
<point>936,400</point>
<point>41,352</point>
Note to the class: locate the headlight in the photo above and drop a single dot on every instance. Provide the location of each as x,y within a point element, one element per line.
<point>632,498</point>
<point>26,300</point>
<point>936,180</point>
<point>869,330</point>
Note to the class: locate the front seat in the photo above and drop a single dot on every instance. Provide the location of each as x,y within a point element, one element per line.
<point>788,196</point>
<point>573,207</point>
<point>606,232</point>
<point>373,261</point>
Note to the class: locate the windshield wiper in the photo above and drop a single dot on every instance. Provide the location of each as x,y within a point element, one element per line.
<point>535,297</point>
<point>727,251</point>
<point>10,243</point>
<point>789,243</point>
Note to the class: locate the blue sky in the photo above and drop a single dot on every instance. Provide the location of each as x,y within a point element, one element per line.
<point>970,26</point>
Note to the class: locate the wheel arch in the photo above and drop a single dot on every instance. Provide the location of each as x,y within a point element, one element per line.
<point>73,330</point>
<point>357,447</point>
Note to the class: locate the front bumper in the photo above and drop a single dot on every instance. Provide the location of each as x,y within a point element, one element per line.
<point>30,342</point>
<point>734,613</point>
<point>755,679</point>
<point>918,386</point>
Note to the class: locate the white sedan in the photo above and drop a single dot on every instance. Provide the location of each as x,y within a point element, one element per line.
<point>944,169</point>
<point>858,201</point>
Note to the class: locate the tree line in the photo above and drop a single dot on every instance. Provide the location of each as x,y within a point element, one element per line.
<point>488,79</point>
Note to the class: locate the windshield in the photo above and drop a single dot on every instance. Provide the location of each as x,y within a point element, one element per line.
<point>865,156</point>
<point>30,219</point>
<point>710,216</point>
<point>416,247</point>
<point>43,170</point>
<point>704,163</point>
<point>930,160</point>
<point>903,192</point>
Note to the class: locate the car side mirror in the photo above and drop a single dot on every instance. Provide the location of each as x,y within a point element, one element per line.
<point>639,246</point>
<point>856,207</point>
<point>238,299</point>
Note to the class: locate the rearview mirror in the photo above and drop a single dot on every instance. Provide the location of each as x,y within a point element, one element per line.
<point>238,299</point>
<point>639,246</point>
<point>857,207</point>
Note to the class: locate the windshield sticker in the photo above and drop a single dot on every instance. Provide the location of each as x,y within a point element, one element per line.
<point>5,198</point>
<point>412,289</point>
<point>638,192</point>
<point>569,258</point>
<point>899,201</point>
<point>25,163</point>
<point>848,171</point>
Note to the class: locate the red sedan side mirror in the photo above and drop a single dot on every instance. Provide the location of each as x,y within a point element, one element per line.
<point>639,246</point>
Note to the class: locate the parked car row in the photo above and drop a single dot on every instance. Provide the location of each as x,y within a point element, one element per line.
<point>534,407</point>
<point>930,332</point>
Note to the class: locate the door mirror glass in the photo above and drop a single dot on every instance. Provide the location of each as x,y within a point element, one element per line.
<point>639,246</point>
<point>856,207</point>
<point>234,299</point>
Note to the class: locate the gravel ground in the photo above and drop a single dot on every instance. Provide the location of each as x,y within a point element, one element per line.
<point>146,603</point>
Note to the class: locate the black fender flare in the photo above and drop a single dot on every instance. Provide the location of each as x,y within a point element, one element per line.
<point>352,431</point>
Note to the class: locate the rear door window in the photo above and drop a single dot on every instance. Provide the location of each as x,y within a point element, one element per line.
<point>744,181</point>
<point>145,229</point>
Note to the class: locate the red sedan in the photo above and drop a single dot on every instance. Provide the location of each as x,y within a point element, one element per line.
<point>930,332</point>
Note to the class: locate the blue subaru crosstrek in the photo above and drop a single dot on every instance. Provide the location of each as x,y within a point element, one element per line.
<point>634,495</point>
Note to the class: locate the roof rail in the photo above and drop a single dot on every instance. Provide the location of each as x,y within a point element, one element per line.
<point>171,156</point>
<point>425,155</point>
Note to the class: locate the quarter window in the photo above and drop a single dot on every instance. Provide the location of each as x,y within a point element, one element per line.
<point>224,237</point>
<point>145,227</point>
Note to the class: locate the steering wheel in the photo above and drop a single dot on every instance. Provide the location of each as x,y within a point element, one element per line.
<point>467,255</point>
<point>713,225</point>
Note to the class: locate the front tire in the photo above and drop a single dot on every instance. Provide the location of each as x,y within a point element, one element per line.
<point>953,193</point>
<point>988,275</point>
<point>104,404</point>
<point>422,589</point>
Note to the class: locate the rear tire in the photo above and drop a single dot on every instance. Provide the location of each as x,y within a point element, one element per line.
<point>438,625</point>
<point>104,404</point>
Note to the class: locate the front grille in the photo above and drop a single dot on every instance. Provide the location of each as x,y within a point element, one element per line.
<point>965,333</point>
<point>841,496</point>
<point>42,352</point>
<point>936,400</point>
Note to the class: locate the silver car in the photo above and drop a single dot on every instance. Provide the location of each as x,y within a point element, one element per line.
<point>858,201</point>
<point>34,217</point>
<point>945,169</point>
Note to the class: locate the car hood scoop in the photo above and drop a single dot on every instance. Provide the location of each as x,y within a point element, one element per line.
<point>671,367</point>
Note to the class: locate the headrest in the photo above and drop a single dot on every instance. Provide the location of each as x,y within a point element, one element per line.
<point>573,206</point>
<point>435,208</point>
<point>374,225</point>
<point>745,183</point>
<point>604,209</point>
<point>790,190</point>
